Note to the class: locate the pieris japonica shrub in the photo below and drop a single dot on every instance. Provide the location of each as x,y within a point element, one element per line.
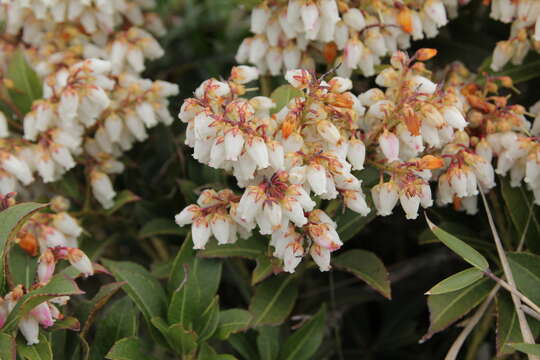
<point>315,179</point>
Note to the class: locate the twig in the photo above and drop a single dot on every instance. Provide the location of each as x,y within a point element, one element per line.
<point>458,343</point>
<point>523,324</point>
<point>530,312</point>
<point>513,290</point>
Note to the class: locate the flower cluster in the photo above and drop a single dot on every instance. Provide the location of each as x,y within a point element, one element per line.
<point>416,132</point>
<point>308,147</point>
<point>524,33</point>
<point>52,236</point>
<point>356,34</point>
<point>89,56</point>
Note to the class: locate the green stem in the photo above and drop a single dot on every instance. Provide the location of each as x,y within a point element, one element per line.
<point>266,85</point>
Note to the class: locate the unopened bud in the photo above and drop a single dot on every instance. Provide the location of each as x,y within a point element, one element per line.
<point>425,54</point>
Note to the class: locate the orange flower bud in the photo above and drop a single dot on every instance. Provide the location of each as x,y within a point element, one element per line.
<point>412,121</point>
<point>431,162</point>
<point>480,104</point>
<point>287,128</point>
<point>506,81</point>
<point>425,54</point>
<point>457,203</point>
<point>404,19</point>
<point>28,243</point>
<point>330,52</point>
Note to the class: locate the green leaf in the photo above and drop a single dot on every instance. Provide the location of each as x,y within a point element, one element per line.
<point>206,325</point>
<point>508,330</point>
<point>184,259</point>
<point>161,226</point>
<point>125,197</point>
<point>273,301</point>
<point>303,344</point>
<point>7,347</point>
<point>526,270</point>
<point>457,281</point>
<point>531,349</point>
<point>118,321</point>
<point>519,203</point>
<point>87,311</point>
<point>244,344</point>
<point>465,251</point>
<point>11,221</point>
<point>184,341</point>
<point>190,300</point>
<point>27,85</point>
<point>251,248</point>
<point>59,285</point>
<point>521,73</point>
<point>207,353</point>
<point>40,351</point>
<point>282,95</point>
<point>268,342</point>
<point>144,289</point>
<point>127,349</point>
<point>366,266</point>
<point>446,308</point>
<point>22,267</point>
<point>232,321</point>
<point>141,286</point>
<point>351,223</point>
<point>263,269</point>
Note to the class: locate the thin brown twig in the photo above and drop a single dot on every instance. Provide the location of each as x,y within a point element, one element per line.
<point>523,324</point>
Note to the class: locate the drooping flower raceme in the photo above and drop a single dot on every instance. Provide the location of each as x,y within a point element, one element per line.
<point>524,16</point>
<point>88,56</point>
<point>281,160</point>
<point>355,34</point>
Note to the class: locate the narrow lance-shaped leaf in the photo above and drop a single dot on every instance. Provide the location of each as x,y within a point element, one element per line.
<point>303,344</point>
<point>127,349</point>
<point>273,301</point>
<point>465,251</point>
<point>446,308</point>
<point>268,342</point>
<point>366,266</point>
<point>526,270</point>
<point>145,290</point>
<point>26,84</point>
<point>232,321</point>
<point>457,281</point>
<point>531,349</point>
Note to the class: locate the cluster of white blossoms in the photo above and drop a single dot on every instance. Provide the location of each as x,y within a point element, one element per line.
<point>356,34</point>
<point>416,132</point>
<point>88,54</point>
<point>524,15</point>
<point>308,147</point>
<point>52,236</point>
